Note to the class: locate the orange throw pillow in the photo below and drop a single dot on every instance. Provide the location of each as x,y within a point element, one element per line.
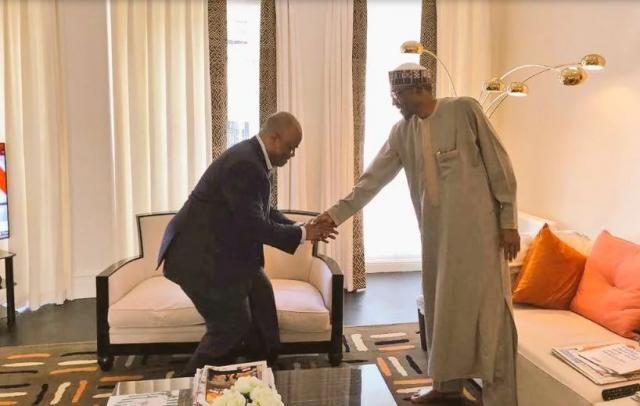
<point>551,273</point>
<point>609,293</point>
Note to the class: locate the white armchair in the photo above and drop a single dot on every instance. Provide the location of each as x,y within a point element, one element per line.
<point>139,311</point>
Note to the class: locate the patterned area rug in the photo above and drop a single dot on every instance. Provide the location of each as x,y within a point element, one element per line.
<point>67,374</point>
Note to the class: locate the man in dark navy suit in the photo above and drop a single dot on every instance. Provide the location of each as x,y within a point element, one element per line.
<point>213,247</point>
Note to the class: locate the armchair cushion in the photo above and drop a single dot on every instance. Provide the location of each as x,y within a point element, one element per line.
<point>281,265</point>
<point>158,302</point>
<point>155,302</point>
<point>300,307</point>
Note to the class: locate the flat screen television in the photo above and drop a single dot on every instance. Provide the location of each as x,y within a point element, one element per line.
<point>4,201</point>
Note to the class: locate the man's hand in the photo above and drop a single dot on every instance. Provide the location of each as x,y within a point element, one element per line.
<point>320,231</point>
<point>325,218</point>
<point>510,242</point>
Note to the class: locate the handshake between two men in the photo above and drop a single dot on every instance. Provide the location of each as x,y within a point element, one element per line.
<point>322,228</point>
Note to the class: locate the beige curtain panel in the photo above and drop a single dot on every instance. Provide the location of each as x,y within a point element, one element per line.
<point>268,74</point>
<point>429,37</point>
<point>217,21</point>
<point>160,110</point>
<point>359,63</point>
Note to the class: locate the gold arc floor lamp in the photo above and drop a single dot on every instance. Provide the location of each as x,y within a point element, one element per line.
<point>495,90</point>
<point>415,47</point>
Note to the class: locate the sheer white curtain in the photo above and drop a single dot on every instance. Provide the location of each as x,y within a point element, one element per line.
<point>464,44</point>
<point>314,46</point>
<point>161,106</point>
<point>391,212</point>
<point>243,62</point>
<point>32,119</point>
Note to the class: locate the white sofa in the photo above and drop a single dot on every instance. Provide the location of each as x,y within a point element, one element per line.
<point>139,311</point>
<point>543,379</point>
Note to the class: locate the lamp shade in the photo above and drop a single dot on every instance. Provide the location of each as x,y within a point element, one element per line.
<point>573,75</point>
<point>494,85</point>
<point>518,89</point>
<point>411,47</point>
<point>593,62</point>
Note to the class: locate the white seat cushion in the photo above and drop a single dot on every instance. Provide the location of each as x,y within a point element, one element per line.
<point>539,330</point>
<point>300,307</point>
<point>156,302</point>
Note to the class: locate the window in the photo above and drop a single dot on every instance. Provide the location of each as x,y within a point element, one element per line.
<point>243,53</point>
<point>391,233</point>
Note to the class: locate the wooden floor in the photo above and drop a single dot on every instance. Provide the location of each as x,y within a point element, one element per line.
<point>389,298</point>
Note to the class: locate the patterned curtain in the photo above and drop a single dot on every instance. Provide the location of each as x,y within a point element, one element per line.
<point>268,74</point>
<point>217,20</point>
<point>359,61</point>
<point>429,38</point>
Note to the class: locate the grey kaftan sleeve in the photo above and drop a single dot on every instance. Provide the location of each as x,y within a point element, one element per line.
<point>382,170</point>
<point>498,166</point>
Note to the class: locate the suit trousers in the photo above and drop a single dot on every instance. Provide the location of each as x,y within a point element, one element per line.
<point>240,318</point>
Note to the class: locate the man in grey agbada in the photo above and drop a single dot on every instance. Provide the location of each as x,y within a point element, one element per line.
<point>464,194</point>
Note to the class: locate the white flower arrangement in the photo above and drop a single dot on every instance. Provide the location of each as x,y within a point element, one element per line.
<point>249,391</point>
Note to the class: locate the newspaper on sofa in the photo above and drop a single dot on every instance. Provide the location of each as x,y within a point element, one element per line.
<point>210,382</point>
<point>587,359</point>
<point>620,359</point>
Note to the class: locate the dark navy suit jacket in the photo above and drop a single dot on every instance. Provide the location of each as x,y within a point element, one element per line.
<point>217,236</point>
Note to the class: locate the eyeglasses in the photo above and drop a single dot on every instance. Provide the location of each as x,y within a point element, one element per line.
<point>397,94</point>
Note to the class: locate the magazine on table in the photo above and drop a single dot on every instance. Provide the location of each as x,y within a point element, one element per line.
<point>599,374</point>
<point>210,382</point>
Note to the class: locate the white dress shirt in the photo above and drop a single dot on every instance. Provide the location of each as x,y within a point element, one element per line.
<point>269,168</point>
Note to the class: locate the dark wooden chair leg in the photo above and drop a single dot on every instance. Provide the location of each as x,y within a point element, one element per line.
<point>105,362</point>
<point>335,358</point>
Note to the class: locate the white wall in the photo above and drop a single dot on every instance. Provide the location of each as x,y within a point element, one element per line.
<point>83,35</point>
<point>576,151</point>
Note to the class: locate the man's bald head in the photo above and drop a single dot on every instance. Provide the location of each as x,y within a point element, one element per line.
<point>281,134</point>
<point>280,122</point>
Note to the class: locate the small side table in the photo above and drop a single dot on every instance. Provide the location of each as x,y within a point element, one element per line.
<point>9,284</point>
